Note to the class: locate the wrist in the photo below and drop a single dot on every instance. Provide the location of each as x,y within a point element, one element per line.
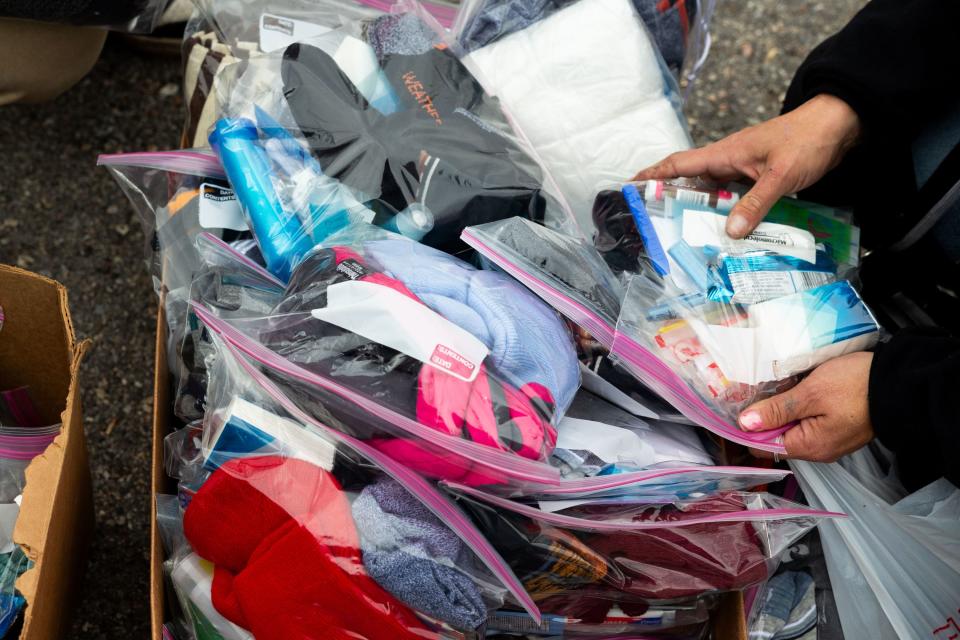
<point>838,120</point>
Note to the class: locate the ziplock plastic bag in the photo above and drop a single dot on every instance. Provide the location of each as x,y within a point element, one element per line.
<point>680,28</point>
<point>590,92</point>
<point>417,549</point>
<point>276,23</point>
<point>597,437</point>
<point>435,349</point>
<point>715,324</point>
<point>733,355</point>
<point>222,33</point>
<point>229,284</point>
<point>628,216</point>
<point>330,133</point>
<point>564,270</point>
<point>671,482</point>
<point>571,276</point>
<point>177,195</point>
<point>894,562</point>
<point>687,620</point>
<point>588,556</point>
<point>23,436</point>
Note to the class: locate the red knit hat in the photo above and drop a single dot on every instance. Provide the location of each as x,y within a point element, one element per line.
<point>287,556</point>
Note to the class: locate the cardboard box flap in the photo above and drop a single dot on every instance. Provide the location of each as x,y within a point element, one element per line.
<point>37,345</point>
<point>38,349</point>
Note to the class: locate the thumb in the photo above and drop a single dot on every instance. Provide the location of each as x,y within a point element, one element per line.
<point>754,205</point>
<point>778,411</point>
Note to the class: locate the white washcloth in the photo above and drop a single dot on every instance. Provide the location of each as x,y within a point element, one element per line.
<point>586,87</point>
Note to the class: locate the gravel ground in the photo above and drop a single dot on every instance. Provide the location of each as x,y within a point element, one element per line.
<point>63,217</point>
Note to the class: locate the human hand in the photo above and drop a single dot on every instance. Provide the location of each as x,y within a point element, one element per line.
<point>782,156</point>
<point>829,406</point>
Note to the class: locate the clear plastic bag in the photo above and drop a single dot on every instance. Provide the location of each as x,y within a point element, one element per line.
<point>894,562</point>
<point>410,547</point>
<point>680,29</point>
<point>177,195</point>
<point>408,347</point>
<point>229,284</point>
<point>714,324</point>
<point>330,133</point>
<point>638,225</point>
<point>564,270</point>
<point>672,482</point>
<point>22,438</point>
<point>598,438</point>
<point>588,556</point>
<point>222,33</point>
<point>587,88</point>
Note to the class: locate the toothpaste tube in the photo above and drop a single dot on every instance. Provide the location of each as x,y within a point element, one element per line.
<point>704,228</point>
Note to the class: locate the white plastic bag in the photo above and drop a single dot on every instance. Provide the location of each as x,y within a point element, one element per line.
<point>894,566</point>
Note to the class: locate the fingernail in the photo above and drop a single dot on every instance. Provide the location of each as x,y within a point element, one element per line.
<point>737,226</point>
<point>751,420</point>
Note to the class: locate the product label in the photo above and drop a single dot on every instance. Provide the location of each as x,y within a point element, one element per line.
<point>693,197</point>
<point>219,208</point>
<point>352,269</point>
<point>278,32</point>
<point>395,320</point>
<point>756,286</point>
<point>704,228</point>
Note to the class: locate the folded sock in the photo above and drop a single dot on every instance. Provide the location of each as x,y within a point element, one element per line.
<point>414,556</point>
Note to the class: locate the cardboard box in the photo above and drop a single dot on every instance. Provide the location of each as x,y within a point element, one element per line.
<point>38,348</point>
<point>730,623</point>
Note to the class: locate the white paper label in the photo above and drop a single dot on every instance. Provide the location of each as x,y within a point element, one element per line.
<point>395,320</point>
<point>219,208</point>
<point>278,32</point>
<point>704,228</point>
<point>693,197</point>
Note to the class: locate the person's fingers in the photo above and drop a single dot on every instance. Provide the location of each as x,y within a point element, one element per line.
<point>777,411</point>
<point>810,440</point>
<point>754,205</point>
<point>705,161</point>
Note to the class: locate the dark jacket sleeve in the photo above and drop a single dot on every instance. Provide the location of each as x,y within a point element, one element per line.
<point>893,63</point>
<point>914,398</point>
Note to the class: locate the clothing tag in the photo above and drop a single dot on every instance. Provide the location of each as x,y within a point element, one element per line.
<point>352,269</point>
<point>277,32</point>
<point>703,228</point>
<point>220,209</point>
<point>395,320</point>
